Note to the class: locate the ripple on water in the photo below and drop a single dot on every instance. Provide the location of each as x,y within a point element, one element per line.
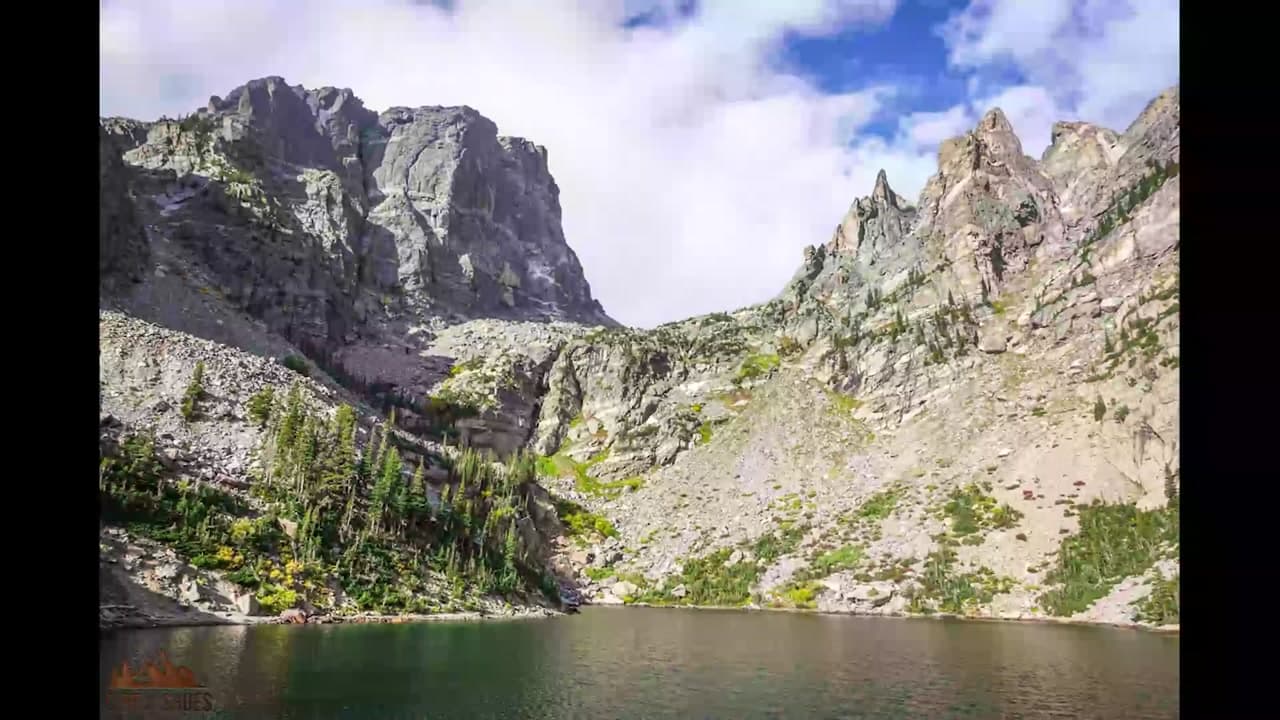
<point>671,663</point>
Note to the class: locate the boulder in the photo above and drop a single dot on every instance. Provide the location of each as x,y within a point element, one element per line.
<point>994,338</point>
<point>189,591</point>
<point>623,589</point>
<point>293,616</point>
<point>873,594</point>
<point>679,591</point>
<point>247,604</point>
<point>1111,304</point>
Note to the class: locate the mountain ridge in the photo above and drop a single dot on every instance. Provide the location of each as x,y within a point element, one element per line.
<point>796,452</point>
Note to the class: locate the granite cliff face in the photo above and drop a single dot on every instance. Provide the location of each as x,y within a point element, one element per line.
<point>918,422</point>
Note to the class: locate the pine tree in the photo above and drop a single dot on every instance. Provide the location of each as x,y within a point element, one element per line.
<point>387,488</point>
<point>369,458</point>
<point>194,392</point>
<point>306,449</point>
<point>291,422</point>
<point>509,573</point>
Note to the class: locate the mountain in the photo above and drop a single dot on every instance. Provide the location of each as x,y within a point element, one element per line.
<point>965,405</point>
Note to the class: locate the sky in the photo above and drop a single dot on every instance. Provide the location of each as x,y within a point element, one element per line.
<point>699,145</point>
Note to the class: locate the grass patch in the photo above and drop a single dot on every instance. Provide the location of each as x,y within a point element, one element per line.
<point>844,558</point>
<point>881,505</point>
<point>1115,541</point>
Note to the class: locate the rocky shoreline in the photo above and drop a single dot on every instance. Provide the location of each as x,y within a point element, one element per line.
<point>1172,629</point>
<point>110,618</point>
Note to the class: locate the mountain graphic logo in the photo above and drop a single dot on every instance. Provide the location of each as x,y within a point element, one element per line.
<point>161,675</point>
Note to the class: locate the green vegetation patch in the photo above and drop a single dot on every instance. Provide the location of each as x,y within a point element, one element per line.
<point>580,522</point>
<point>972,510</point>
<point>847,557</point>
<point>945,589</point>
<point>1115,541</point>
<point>563,466</point>
<point>704,433</point>
<point>1160,607</point>
<point>881,505</point>
<point>708,581</point>
<point>298,364</point>
<point>356,515</point>
<point>755,366</point>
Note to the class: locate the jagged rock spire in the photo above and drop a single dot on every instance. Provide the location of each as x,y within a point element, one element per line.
<point>882,192</point>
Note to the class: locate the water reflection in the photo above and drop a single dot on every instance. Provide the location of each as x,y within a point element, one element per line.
<point>652,663</point>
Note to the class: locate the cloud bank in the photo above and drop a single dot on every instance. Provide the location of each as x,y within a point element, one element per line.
<point>692,168</point>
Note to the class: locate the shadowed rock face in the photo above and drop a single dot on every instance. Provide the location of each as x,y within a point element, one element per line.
<point>122,241</point>
<point>345,231</point>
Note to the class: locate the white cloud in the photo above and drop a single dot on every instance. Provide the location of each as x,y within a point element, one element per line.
<point>692,168</point>
<point>1096,60</point>
<point>926,129</point>
<point>691,171</point>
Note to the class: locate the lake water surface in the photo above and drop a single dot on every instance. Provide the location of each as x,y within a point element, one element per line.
<point>669,663</point>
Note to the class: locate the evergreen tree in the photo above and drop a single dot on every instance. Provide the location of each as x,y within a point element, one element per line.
<point>194,392</point>
<point>510,575</point>
<point>387,488</point>
<point>291,422</point>
<point>415,503</point>
<point>260,405</point>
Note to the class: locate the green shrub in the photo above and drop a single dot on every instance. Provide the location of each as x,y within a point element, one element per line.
<point>1099,409</point>
<point>801,594</point>
<point>260,406</point>
<point>789,346</point>
<point>297,364</point>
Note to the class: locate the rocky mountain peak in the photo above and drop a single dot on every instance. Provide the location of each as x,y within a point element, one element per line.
<point>427,201</point>
<point>882,193</point>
